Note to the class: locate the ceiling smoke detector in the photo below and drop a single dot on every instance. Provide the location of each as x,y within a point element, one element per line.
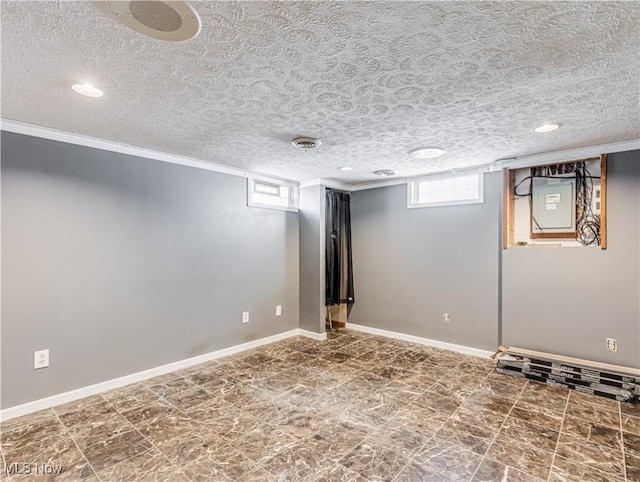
<point>306,143</point>
<point>170,21</point>
<point>385,172</point>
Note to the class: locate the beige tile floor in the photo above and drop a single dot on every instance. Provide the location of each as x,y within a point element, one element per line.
<point>353,408</point>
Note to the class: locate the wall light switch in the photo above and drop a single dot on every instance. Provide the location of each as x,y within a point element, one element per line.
<point>278,310</point>
<point>245,317</point>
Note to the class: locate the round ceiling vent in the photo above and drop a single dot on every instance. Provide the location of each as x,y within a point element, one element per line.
<point>171,21</point>
<point>385,172</point>
<point>306,142</point>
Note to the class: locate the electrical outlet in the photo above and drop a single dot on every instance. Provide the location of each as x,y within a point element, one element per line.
<point>245,317</point>
<point>40,359</point>
<point>612,344</point>
<point>278,310</point>
<point>446,317</point>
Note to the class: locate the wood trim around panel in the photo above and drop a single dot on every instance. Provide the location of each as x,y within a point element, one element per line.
<point>506,184</point>
<point>603,201</point>
<point>569,235</point>
<point>512,207</point>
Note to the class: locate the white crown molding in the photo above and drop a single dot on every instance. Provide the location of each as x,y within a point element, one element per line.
<point>330,183</point>
<point>32,130</point>
<point>54,400</point>
<point>567,154</point>
<point>466,350</point>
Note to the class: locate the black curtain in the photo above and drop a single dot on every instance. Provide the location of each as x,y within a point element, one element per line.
<point>339,267</point>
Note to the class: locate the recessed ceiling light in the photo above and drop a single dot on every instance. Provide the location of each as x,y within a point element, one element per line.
<point>427,152</point>
<point>87,90</point>
<point>346,168</point>
<point>546,127</point>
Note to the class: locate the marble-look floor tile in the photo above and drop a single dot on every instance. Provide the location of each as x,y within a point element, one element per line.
<point>339,473</point>
<point>402,439</point>
<point>545,396</point>
<point>609,417</point>
<point>486,401</point>
<point>577,397</point>
<point>492,471</point>
<point>632,409</point>
<point>356,407</point>
<point>335,440</point>
<point>537,414</point>
<point>296,463</point>
<point>465,436</point>
<point>404,392</point>
<point>630,424</point>
<point>428,420</point>
<point>129,397</point>
<point>516,430</point>
<point>602,457</point>
<point>373,462</point>
<point>78,413</point>
<point>632,466</point>
<point>458,388</point>
<point>592,431</point>
<point>414,472</point>
<point>438,402</point>
<point>149,467</point>
<point>221,462</point>
<point>116,449</point>
<point>565,470</point>
<point>99,429</point>
<point>32,437</point>
<point>447,458</point>
<point>525,456</point>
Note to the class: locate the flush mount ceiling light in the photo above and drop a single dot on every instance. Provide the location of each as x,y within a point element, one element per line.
<point>427,152</point>
<point>385,172</point>
<point>546,127</point>
<point>346,168</point>
<point>306,143</point>
<point>170,21</point>
<point>87,90</point>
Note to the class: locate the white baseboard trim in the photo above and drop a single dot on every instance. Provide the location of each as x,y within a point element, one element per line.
<point>54,400</point>
<point>466,350</point>
<point>312,334</point>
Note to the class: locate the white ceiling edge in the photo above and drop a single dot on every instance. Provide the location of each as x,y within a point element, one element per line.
<point>529,160</point>
<point>10,125</point>
<point>567,154</point>
<point>17,127</point>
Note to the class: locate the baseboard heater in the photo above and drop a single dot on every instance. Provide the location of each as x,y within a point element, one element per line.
<point>610,381</point>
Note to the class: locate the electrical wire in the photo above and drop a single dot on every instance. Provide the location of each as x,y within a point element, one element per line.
<point>587,222</point>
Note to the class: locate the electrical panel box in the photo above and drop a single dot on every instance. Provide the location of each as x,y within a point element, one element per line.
<point>553,208</point>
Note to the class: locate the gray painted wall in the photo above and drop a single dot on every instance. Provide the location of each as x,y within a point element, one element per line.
<point>119,264</point>
<point>312,258</point>
<point>569,300</point>
<point>412,265</point>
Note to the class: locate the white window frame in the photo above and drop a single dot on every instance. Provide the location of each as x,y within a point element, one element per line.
<point>253,182</point>
<point>412,185</point>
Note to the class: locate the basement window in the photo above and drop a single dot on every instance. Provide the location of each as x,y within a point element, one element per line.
<point>272,195</point>
<point>446,190</point>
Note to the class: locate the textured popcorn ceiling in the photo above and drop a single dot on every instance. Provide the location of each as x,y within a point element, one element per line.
<point>373,80</point>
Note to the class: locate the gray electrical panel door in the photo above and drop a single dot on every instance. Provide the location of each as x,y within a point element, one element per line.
<point>554,206</point>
